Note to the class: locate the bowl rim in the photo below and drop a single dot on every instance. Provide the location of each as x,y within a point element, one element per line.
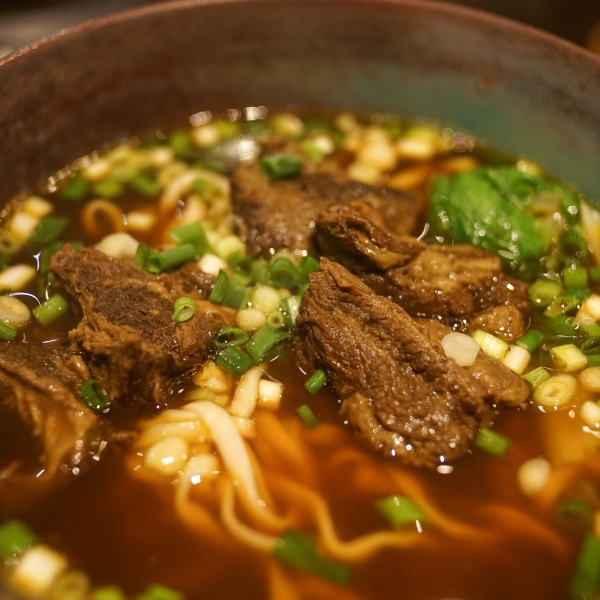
<point>449,10</point>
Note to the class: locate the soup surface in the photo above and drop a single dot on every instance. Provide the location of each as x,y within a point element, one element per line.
<point>275,356</point>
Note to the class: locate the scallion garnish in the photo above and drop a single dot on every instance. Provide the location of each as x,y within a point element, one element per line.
<point>316,381</point>
<point>93,395</point>
<point>218,292</point>
<point>142,253</point>
<point>181,143</point>
<point>536,377</point>
<point>235,360</point>
<point>263,340</point>
<point>575,278</point>
<point>593,360</point>
<point>48,230</point>
<point>76,189</point>
<point>277,166</point>
<point>7,333</point>
<point>145,185</point>
<point>573,512</point>
<point>532,340</point>
<point>307,265</point>
<point>50,310</point>
<point>276,319</point>
<point>587,572</point>
<point>399,510</point>
<point>308,416</point>
<point>108,592</point>
<point>312,151</point>
<point>284,273</point>
<point>230,336</point>
<point>291,309</point>
<point>543,291</point>
<point>192,233</point>
<point>491,442</point>
<point>15,538</point>
<point>260,271</point>
<point>158,262</point>
<point>562,325</point>
<point>108,188</point>
<point>183,309</point>
<point>592,329</point>
<point>300,550</point>
<point>160,592</point>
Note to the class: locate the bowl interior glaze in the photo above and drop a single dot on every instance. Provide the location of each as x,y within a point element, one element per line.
<point>528,92</point>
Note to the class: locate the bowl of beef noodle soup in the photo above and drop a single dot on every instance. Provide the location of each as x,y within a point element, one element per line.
<point>300,300</point>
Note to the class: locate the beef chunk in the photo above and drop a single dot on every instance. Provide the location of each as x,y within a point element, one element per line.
<point>398,388</point>
<point>452,282</point>
<point>504,321</point>
<point>501,387</point>
<point>42,383</point>
<point>126,327</point>
<point>281,215</point>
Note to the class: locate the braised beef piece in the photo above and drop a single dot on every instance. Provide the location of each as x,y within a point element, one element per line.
<point>505,322</point>
<point>280,215</point>
<point>501,387</point>
<point>398,388</point>
<point>126,331</point>
<point>451,282</point>
<point>189,280</point>
<point>42,384</point>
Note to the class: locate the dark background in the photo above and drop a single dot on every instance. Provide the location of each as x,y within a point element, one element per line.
<point>25,21</point>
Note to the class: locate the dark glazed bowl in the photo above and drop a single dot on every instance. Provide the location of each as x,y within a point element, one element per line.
<point>526,91</point>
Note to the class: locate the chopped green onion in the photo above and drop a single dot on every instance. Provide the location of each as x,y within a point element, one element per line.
<point>48,230</point>
<point>575,278</point>
<point>312,151</point>
<point>160,592</point>
<point>316,381</point>
<point>141,254</point>
<point>230,336</point>
<point>568,357</point>
<point>46,254</point>
<point>237,258</point>
<point>235,360</point>
<point>532,340</point>
<point>50,310</point>
<point>563,325</point>
<point>108,592</point>
<point>277,166</point>
<point>181,143</point>
<point>491,442</point>
<point>536,377</point>
<point>573,512</point>
<point>260,271</point>
<point>490,344</point>
<point>543,291</point>
<point>144,185</point>
<point>236,296</point>
<point>7,333</point>
<point>594,274</point>
<point>291,309</point>
<point>284,273</point>
<point>263,340</point>
<point>276,319</point>
<point>157,262</point>
<point>300,550</point>
<point>587,572</point>
<point>240,279</point>
<point>94,396</point>
<point>76,189</point>
<point>15,538</point>
<point>308,264</point>
<point>593,360</point>
<point>192,233</point>
<point>592,329</point>
<point>109,188</point>
<point>275,353</point>
<point>400,510</point>
<point>566,303</point>
<point>308,416</point>
<point>183,309</point>
<point>207,190</point>
<point>218,292</point>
